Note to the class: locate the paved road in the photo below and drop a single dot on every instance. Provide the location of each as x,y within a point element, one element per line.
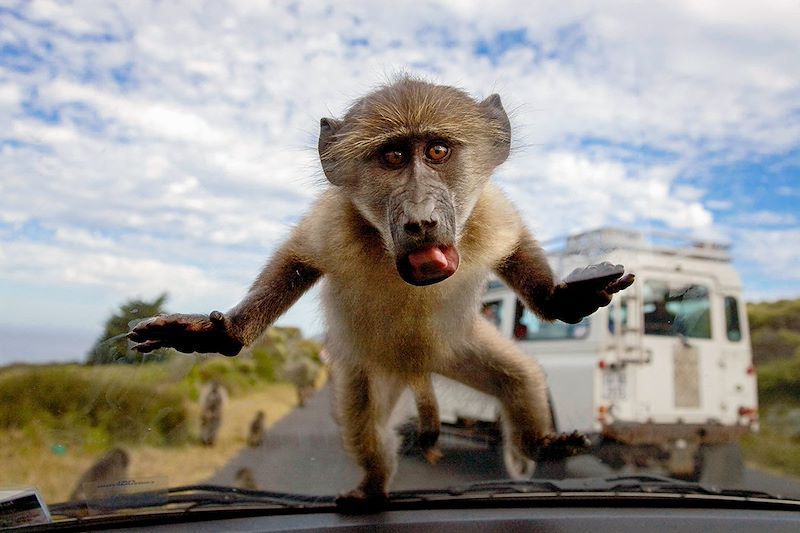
<point>302,453</point>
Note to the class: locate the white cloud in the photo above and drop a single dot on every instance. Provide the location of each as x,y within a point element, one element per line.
<point>10,95</point>
<point>775,252</point>
<point>186,140</point>
<point>571,191</point>
<point>767,218</point>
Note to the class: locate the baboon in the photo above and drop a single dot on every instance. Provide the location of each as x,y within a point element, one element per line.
<point>256,434</point>
<point>302,373</point>
<point>211,414</point>
<point>112,466</point>
<point>404,237</point>
<point>245,479</point>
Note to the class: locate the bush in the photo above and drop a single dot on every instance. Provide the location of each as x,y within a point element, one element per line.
<point>236,374</point>
<point>779,381</point>
<point>770,344</point>
<point>112,345</point>
<point>281,350</point>
<point>783,314</point>
<point>76,406</point>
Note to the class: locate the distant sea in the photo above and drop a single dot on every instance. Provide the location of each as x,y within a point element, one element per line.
<point>21,344</point>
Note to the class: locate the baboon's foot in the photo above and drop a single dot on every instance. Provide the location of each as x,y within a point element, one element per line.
<point>359,501</point>
<point>555,446</point>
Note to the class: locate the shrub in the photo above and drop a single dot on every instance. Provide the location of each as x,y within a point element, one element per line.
<point>780,381</point>
<point>71,402</point>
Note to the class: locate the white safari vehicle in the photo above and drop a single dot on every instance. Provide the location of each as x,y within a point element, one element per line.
<point>662,378</point>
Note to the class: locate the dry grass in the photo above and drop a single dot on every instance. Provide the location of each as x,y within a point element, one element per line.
<point>28,461</point>
<point>195,463</point>
<point>27,458</point>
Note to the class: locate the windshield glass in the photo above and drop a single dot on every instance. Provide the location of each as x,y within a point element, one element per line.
<point>681,310</point>
<point>155,156</point>
<point>529,327</point>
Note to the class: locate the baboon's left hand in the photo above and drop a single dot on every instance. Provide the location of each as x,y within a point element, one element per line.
<point>585,290</point>
<point>186,333</point>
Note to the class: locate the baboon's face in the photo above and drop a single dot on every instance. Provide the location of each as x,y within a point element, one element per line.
<point>427,153</point>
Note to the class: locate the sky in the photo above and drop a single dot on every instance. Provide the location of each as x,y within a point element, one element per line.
<point>169,146</point>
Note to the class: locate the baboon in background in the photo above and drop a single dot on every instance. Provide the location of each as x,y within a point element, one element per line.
<point>304,392</point>
<point>112,466</point>
<point>256,434</point>
<point>245,479</point>
<point>211,414</point>
<point>405,238</point>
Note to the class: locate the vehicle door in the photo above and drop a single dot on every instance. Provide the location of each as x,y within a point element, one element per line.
<point>681,380</point>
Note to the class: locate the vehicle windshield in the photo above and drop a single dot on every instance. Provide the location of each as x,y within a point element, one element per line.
<point>154,156</point>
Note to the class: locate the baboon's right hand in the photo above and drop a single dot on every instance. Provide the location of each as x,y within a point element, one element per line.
<point>186,333</point>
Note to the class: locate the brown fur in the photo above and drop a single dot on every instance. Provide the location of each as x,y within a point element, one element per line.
<point>429,424</point>
<point>411,108</point>
<point>211,414</point>
<point>390,327</point>
<point>245,479</point>
<point>255,435</point>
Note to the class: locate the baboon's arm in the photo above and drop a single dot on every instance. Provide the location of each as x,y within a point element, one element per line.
<point>527,271</point>
<point>283,280</point>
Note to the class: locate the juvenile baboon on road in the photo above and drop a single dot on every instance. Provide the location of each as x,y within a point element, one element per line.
<point>211,414</point>
<point>245,479</point>
<point>256,434</point>
<point>112,466</point>
<point>405,239</point>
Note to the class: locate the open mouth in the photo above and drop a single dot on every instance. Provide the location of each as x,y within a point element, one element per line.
<point>428,265</point>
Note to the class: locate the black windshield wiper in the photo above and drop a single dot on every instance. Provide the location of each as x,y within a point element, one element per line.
<point>635,483</point>
<point>193,496</point>
<point>211,494</point>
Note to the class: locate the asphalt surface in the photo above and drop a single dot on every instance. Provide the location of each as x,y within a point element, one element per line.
<point>302,453</point>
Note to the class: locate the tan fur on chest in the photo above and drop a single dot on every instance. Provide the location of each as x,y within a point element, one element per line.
<point>383,322</point>
<point>406,327</point>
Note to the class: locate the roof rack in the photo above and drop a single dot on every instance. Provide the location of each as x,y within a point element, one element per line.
<point>605,239</point>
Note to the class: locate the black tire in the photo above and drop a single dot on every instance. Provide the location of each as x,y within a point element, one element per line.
<point>720,464</point>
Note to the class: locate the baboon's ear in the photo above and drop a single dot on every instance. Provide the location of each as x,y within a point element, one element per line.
<point>493,110</point>
<point>327,133</point>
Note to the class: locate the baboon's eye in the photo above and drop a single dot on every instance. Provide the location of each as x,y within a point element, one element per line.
<point>437,151</point>
<point>394,157</point>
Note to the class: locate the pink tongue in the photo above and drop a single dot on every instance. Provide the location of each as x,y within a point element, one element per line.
<point>427,259</point>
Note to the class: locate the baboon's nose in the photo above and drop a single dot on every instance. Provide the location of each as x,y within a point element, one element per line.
<point>418,229</point>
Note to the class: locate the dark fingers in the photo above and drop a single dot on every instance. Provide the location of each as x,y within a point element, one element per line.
<point>147,346</point>
<point>622,283</point>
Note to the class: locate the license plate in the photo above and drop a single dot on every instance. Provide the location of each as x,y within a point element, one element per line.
<point>615,385</point>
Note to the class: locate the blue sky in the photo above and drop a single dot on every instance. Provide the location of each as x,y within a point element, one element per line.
<point>152,146</point>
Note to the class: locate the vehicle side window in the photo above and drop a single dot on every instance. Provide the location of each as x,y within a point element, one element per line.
<point>623,311</point>
<point>676,310</point>
<point>493,312</point>
<point>529,327</point>
<point>732,326</point>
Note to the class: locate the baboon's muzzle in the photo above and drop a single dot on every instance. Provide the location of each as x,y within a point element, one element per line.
<point>424,238</point>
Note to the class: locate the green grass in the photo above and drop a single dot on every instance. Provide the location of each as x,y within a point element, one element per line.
<point>773,450</point>
<point>91,407</point>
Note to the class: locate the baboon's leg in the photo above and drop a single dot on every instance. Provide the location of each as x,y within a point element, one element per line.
<point>364,405</point>
<point>490,363</point>
<point>429,423</point>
